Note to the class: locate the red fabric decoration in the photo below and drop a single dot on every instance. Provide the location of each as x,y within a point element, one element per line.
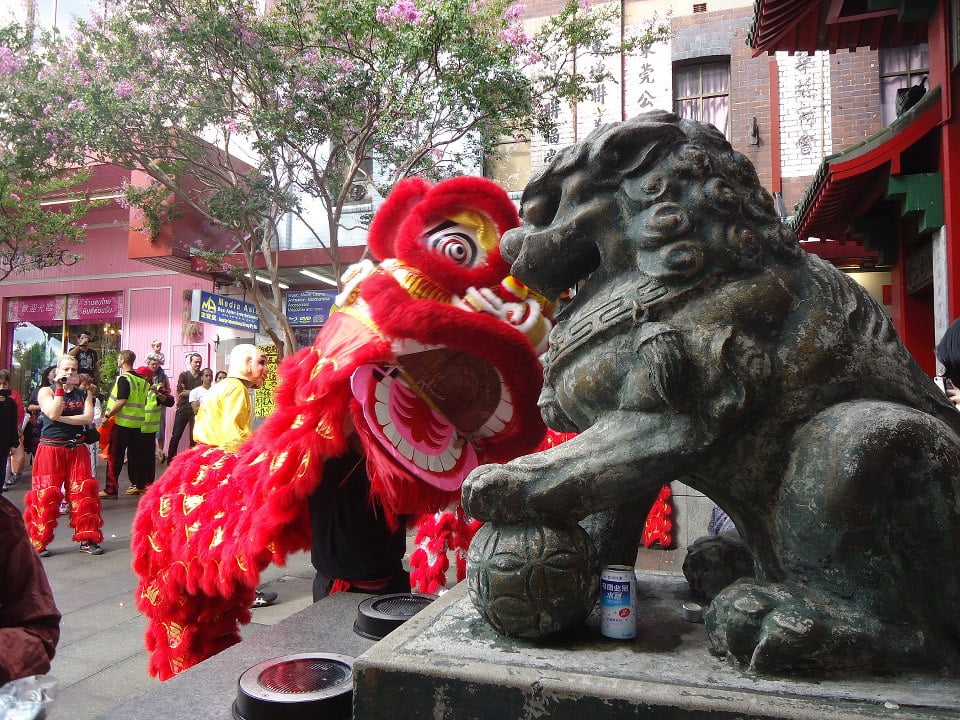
<point>214,520</point>
<point>659,526</point>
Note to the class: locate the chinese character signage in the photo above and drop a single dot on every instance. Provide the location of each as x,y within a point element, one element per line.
<point>309,308</point>
<point>223,311</point>
<point>648,83</point>
<point>263,402</point>
<point>805,126</point>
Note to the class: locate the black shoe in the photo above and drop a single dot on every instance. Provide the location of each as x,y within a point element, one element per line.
<point>264,599</point>
<point>44,553</point>
<point>91,548</point>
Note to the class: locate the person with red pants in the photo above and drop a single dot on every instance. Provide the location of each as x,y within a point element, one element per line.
<point>63,459</point>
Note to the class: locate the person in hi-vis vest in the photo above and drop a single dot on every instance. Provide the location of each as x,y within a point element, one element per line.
<point>158,398</point>
<point>126,406</point>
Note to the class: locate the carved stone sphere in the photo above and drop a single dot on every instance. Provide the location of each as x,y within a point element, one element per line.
<point>532,581</point>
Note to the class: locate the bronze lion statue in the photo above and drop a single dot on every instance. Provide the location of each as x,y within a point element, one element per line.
<point>703,344</point>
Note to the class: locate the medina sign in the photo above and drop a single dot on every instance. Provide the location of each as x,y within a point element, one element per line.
<point>223,311</point>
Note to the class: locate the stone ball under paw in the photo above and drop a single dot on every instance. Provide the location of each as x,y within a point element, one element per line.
<point>532,581</point>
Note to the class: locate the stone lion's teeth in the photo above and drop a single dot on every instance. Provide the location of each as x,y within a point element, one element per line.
<point>383,414</point>
<point>405,449</point>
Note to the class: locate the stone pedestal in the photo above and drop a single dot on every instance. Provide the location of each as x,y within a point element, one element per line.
<point>446,663</point>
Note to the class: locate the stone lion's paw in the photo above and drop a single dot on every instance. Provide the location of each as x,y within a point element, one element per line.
<point>493,493</point>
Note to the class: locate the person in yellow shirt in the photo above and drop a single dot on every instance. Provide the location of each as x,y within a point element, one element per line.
<point>225,417</point>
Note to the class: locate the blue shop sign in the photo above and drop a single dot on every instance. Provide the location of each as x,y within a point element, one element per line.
<point>223,311</point>
<point>309,308</point>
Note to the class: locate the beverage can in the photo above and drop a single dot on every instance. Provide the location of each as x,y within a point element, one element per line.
<point>618,602</point>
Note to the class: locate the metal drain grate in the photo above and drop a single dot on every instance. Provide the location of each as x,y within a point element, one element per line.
<point>380,615</point>
<point>294,687</point>
<point>303,676</point>
<point>402,605</point>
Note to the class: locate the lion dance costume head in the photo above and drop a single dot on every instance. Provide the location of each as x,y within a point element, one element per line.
<point>431,359</point>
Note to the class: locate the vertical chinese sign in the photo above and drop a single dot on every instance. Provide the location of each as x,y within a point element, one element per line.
<point>805,125</point>
<point>263,403</point>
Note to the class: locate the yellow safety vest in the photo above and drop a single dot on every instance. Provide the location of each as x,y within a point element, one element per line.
<point>131,415</point>
<point>151,414</point>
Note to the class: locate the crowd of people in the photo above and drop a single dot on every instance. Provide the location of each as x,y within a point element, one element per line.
<point>54,427</point>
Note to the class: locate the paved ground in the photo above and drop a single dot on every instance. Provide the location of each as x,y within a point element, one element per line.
<point>101,661</point>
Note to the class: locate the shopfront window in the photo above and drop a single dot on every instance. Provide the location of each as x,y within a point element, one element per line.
<point>35,329</point>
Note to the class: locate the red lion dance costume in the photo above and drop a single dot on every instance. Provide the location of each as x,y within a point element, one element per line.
<point>427,360</point>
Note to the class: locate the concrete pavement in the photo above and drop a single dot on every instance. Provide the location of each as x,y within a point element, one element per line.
<point>100,660</point>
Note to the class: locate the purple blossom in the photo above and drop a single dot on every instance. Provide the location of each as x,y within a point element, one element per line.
<point>230,124</point>
<point>585,4</point>
<point>344,64</point>
<point>401,11</point>
<point>514,12</point>
<point>515,36</point>
<point>123,89</point>
<point>78,105</point>
<point>9,63</point>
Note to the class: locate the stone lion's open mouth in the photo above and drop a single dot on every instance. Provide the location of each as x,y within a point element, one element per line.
<point>429,407</point>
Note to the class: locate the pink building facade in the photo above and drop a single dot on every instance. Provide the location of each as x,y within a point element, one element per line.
<point>123,303</point>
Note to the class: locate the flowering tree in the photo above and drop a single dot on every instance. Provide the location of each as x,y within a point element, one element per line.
<point>307,94</point>
<point>32,235</point>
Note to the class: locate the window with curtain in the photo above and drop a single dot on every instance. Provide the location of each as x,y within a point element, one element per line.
<point>702,92</point>
<point>900,68</point>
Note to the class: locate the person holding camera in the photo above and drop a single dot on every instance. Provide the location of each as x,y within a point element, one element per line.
<point>63,460</point>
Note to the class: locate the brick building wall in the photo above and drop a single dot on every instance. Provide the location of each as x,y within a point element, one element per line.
<point>852,95</point>
<point>855,81</point>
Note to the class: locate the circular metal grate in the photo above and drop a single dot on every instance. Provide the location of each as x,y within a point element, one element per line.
<point>296,687</point>
<point>402,605</point>
<point>379,615</point>
<point>303,676</point>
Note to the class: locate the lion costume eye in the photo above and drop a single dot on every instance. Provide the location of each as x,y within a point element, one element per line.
<point>455,242</point>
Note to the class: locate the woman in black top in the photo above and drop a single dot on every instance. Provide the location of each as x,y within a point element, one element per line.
<point>63,459</point>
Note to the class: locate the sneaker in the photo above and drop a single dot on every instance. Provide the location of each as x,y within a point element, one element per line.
<point>105,494</point>
<point>64,507</point>
<point>44,553</point>
<point>91,548</point>
<point>134,490</point>
<point>264,599</point>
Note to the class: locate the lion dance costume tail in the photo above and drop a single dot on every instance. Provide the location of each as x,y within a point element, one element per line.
<point>430,358</point>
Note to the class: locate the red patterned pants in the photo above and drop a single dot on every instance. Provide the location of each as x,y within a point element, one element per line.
<point>70,467</point>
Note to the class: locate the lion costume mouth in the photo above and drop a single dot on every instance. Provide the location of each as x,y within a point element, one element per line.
<point>429,407</point>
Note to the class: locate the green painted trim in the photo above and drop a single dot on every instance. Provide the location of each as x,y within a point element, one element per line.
<point>879,235</point>
<point>915,11</point>
<point>920,195</point>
